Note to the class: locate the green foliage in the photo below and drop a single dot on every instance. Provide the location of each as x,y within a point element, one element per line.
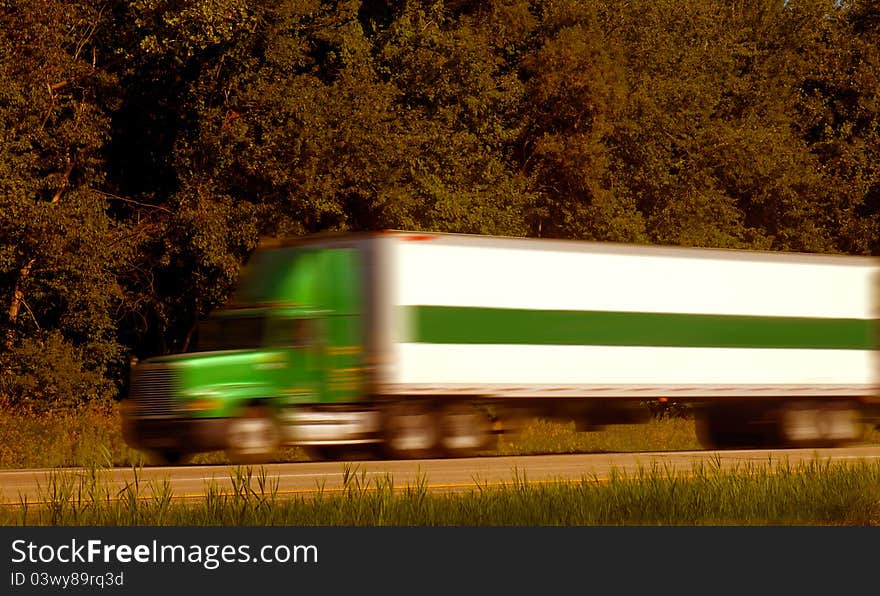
<point>148,145</point>
<point>57,265</point>
<point>46,372</point>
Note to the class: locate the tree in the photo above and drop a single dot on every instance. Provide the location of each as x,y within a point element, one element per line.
<point>57,266</point>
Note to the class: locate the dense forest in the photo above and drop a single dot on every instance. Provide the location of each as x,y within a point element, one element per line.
<point>148,145</point>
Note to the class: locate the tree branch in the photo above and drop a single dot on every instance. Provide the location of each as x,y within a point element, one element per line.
<point>65,183</point>
<point>132,201</point>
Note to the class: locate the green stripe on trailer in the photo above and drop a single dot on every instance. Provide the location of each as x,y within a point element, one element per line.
<point>473,325</point>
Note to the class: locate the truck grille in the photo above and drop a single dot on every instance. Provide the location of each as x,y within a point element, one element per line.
<point>152,388</point>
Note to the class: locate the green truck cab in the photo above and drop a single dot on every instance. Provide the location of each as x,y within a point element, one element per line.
<point>290,340</point>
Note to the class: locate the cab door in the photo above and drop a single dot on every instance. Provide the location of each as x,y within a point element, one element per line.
<point>303,345</point>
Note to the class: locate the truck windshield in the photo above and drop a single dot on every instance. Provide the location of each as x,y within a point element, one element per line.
<point>230,333</point>
<point>263,278</point>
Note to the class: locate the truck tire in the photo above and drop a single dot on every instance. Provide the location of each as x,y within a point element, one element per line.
<point>252,437</point>
<point>464,430</point>
<point>844,423</point>
<point>410,431</point>
<point>815,423</point>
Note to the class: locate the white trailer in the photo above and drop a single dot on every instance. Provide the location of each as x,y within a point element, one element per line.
<point>768,346</point>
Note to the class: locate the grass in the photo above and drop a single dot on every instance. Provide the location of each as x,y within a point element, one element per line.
<point>89,436</point>
<point>814,493</point>
<point>544,436</point>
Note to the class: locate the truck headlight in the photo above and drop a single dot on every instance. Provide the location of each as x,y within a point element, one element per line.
<point>201,401</point>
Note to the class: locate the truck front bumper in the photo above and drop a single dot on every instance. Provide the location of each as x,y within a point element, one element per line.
<point>184,434</point>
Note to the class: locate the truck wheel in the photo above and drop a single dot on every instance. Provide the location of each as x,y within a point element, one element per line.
<point>464,429</point>
<point>819,423</point>
<point>843,423</point>
<point>800,424</point>
<point>411,431</point>
<point>252,437</point>
<point>169,457</point>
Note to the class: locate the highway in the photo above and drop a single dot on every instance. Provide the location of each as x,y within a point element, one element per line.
<point>437,475</point>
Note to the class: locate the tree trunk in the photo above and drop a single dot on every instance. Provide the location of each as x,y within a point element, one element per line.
<point>15,305</point>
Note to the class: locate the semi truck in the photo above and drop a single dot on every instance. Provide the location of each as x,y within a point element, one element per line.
<point>414,344</point>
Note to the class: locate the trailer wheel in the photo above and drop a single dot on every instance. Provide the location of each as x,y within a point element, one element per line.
<point>819,423</point>
<point>844,423</point>
<point>252,437</point>
<point>464,429</point>
<point>411,431</point>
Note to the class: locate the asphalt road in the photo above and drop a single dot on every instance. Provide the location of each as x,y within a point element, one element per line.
<point>442,475</point>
